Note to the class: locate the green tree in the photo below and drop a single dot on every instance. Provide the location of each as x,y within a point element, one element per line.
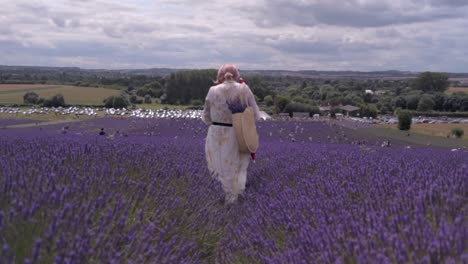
<point>281,102</point>
<point>116,102</point>
<point>412,102</point>
<point>458,132</point>
<point>258,86</point>
<point>404,120</point>
<point>30,98</point>
<point>439,99</point>
<point>431,82</point>
<point>196,102</point>
<point>120,102</point>
<point>147,99</point>
<point>426,103</point>
<point>133,99</point>
<point>454,102</point>
<point>268,100</point>
<point>54,101</point>
<point>368,110</point>
<point>300,107</point>
<point>184,86</point>
<point>293,90</point>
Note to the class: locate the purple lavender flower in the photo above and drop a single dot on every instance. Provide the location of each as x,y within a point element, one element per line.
<point>149,199</point>
<point>236,106</point>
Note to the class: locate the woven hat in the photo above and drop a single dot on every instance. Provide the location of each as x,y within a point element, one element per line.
<point>246,130</point>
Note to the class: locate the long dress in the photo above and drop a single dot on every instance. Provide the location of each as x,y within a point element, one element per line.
<point>225,162</point>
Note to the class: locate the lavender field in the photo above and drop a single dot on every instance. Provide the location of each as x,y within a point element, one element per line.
<point>142,194</point>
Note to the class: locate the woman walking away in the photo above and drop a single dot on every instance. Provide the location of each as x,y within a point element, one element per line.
<point>225,161</point>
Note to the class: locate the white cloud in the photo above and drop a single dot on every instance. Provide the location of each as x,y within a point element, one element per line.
<point>261,34</point>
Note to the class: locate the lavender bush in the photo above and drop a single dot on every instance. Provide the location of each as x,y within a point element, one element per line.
<point>236,106</point>
<point>147,198</point>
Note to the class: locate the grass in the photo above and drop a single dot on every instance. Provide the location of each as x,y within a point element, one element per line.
<point>73,94</point>
<point>162,106</point>
<point>439,130</point>
<point>8,88</point>
<point>436,130</point>
<point>422,136</point>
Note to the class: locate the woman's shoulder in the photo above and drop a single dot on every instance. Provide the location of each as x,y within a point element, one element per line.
<point>226,85</point>
<point>217,86</point>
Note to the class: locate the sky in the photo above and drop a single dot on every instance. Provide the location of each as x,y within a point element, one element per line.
<point>362,35</point>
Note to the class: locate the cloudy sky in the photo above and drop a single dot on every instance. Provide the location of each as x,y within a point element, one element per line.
<point>364,35</point>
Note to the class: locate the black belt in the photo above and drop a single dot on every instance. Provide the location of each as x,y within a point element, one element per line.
<point>221,124</point>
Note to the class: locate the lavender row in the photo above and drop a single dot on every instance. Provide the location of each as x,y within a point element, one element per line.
<point>277,131</point>
<point>149,199</point>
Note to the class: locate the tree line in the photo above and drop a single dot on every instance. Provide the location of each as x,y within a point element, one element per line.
<point>276,94</point>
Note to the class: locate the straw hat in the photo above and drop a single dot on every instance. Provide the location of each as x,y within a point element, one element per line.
<point>246,131</point>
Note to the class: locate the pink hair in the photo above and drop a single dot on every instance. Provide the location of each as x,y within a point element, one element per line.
<point>229,72</point>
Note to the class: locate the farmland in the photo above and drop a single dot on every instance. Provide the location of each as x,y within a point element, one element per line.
<point>144,195</point>
<point>425,133</point>
<point>13,94</point>
<point>7,88</point>
<point>457,89</point>
<point>441,130</point>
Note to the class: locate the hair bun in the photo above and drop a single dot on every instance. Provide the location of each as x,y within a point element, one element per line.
<point>228,76</point>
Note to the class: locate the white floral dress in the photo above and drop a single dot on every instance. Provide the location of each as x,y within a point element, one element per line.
<point>225,162</point>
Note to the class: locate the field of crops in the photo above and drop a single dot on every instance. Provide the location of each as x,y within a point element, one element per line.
<point>13,94</point>
<point>458,89</point>
<point>441,130</point>
<point>6,88</point>
<point>144,195</point>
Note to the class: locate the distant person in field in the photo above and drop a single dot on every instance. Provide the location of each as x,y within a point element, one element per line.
<point>225,161</point>
<point>102,133</point>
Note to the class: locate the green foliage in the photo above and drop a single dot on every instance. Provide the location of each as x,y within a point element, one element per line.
<point>153,89</point>
<point>412,102</point>
<point>281,102</point>
<point>116,102</point>
<point>148,99</point>
<point>300,107</point>
<point>30,98</point>
<point>439,99</point>
<point>134,99</point>
<point>352,98</point>
<point>426,104</point>
<point>431,82</point>
<point>154,85</point>
<point>268,100</point>
<point>309,91</point>
<point>368,110</point>
<point>385,104</point>
<point>368,98</point>
<point>54,101</point>
<point>184,86</point>
<point>258,86</point>
<point>399,102</point>
<point>458,132</point>
<point>196,102</point>
<point>404,120</point>
<point>299,99</point>
<point>293,90</point>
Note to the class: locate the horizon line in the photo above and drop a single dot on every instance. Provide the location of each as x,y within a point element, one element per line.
<point>181,69</point>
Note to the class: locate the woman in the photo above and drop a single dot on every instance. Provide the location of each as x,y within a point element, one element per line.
<point>225,162</point>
